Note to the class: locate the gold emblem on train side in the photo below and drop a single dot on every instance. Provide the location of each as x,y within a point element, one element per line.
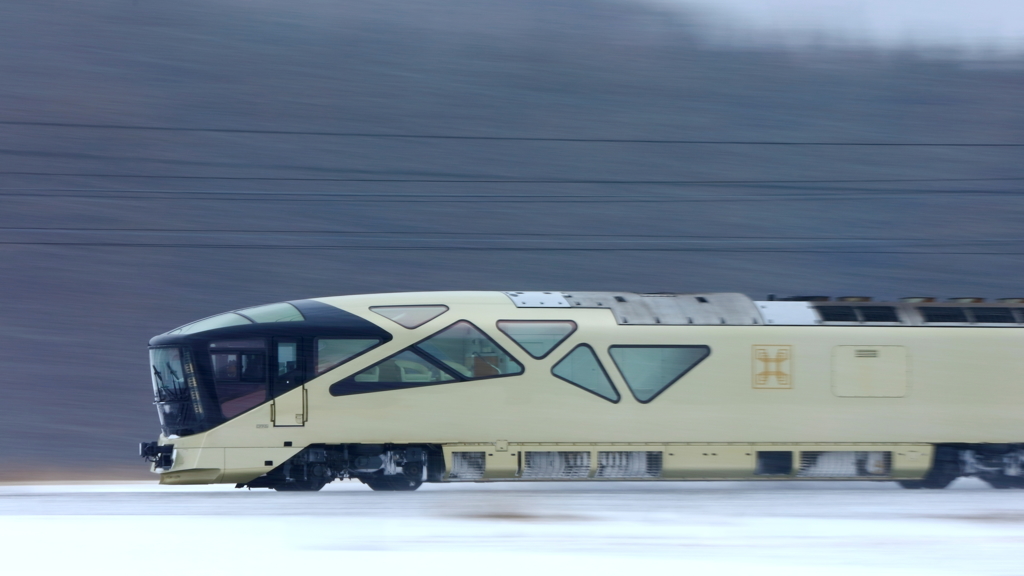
<point>773,367</point>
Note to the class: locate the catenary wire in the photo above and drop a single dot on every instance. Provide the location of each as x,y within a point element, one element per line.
<point>510,180</point>
<point>505,249</point>
<point>514,236</point>
<point>500,138</point>
<point>304,197</point>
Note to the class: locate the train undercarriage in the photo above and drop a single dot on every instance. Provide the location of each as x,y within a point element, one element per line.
<point>388,467</point>
<point>380,466</point>
<point>999,465</point>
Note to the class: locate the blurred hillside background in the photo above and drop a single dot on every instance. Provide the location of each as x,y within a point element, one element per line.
<point>311,148</point>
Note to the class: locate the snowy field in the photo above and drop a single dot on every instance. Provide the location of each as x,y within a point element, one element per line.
<point>615,528</point>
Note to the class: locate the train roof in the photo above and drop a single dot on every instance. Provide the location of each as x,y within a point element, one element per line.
<point>727,308</point>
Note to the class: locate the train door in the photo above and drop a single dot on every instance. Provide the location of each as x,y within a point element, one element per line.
<point>288,376</point>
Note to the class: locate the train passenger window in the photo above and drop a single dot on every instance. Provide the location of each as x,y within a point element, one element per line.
<point>993,315</point>
<point>410,316</point>
<point>240,380</point>
<point>936,314</point>
<point>537,337</point>
<point>254,368</point>
<point>333,352</point>
<point>458,353</point>
<point>582,368</point>
<point>837,313</point>
<point>237,366</point>
<point>279,312</point>
<point>405,367</point>
<point>649,370</point>
<point>878,313</point>
<point>225,366</point>
<point>468,352</point>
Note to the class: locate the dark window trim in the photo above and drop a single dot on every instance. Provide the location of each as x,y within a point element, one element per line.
<point>238,348</point>
<point>973,316</point>
<point>316,355</point>
<point>575,327</point>
<point>924,311</point>
<point>863,318</point>
<point>706,348</point>
<point>339,387</point>
<point>821,313</point>
<point>859,315</point>
<point>618,395</point>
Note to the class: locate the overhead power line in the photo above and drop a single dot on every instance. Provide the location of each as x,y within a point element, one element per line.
<point>417,136</point>
<point>517,236</point>
<point>591,199</point>
<point>622,182</point>
<point>504,249</point>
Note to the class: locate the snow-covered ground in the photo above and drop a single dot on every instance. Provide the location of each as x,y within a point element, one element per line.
<point>614,528</point>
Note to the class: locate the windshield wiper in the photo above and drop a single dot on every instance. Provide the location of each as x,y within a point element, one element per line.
<point>173,373</point>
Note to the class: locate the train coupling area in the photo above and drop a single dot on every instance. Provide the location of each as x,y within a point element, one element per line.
<point>161,456</point>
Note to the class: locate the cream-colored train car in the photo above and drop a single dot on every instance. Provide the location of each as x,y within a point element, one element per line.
<point>397,389</point>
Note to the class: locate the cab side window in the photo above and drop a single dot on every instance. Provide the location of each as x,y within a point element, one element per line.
<point>288,371</point>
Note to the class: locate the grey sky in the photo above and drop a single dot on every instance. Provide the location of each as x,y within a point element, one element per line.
<point>969,26</point>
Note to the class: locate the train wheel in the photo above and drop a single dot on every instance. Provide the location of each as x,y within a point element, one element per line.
<point>396,483</point>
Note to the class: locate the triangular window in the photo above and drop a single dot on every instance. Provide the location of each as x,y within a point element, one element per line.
<point>458,353</point>
<point>582,368</point>
<point>410,316</point>
<point>405,367</point>
<point>467,351</point>
<point>649,370</point>
<point>537,337</point>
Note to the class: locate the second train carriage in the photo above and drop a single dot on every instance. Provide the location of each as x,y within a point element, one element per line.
<point>398,389</point>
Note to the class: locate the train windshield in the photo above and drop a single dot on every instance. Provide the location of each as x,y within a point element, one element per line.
<point>175,391</point>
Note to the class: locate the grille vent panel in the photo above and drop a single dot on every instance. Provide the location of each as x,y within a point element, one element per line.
<point>467,465</point>
<point>628,464</point>
<point>845,464</point>
<point>556,465</point>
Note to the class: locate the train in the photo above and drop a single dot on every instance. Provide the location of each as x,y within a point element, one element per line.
<point>395,390</point>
